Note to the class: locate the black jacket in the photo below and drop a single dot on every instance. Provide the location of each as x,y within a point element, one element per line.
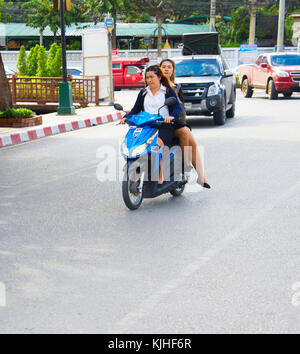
<point>174,111</point>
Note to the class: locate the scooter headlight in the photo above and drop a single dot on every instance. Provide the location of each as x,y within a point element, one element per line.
<point>139,150</point>
<point>125,149</point>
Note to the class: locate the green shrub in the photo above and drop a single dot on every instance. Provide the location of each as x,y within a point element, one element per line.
<point>51,59</point>
<point>238,85</point>
<point>22,68</point>
<point>42,63</point>
<point>31,61</point>
<point>17,113</point>
<point>57,64</point>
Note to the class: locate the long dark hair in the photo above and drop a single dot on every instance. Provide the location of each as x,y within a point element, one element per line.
<point>172,78</point>
<point>158,72</point>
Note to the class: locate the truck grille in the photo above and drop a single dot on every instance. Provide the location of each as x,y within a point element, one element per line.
<point>193,90</point>
<point>297,73</point>
<point>297,79</point>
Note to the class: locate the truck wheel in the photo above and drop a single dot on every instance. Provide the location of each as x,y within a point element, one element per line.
<point>246,89</point>
<point>220,116</point>
<point>231,112</point>
<point>272,92</point>
<point>287,94</point>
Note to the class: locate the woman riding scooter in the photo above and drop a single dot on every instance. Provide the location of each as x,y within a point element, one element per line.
<point>181,130</point>
<point>152,98</point>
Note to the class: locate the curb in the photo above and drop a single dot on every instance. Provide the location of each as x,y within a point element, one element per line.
<point>38,133</point>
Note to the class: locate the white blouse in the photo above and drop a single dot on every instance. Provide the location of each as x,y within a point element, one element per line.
<point>152,103</point>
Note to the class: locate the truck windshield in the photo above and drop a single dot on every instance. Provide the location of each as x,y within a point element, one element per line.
<point>283,60</point>
<point>197,67</point>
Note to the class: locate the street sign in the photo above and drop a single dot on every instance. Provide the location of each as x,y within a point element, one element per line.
<point>109,23</point>
<point>248,53</point>
<point>148,40</point>
<point>114,52</point>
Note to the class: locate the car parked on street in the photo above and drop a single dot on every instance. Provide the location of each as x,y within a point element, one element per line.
<point>276,73</point>
<point>76,72</point>
<point>128,72</point>
<point>8,71</point>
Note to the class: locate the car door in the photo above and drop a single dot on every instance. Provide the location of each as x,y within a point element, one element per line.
<point>133,76</point>
<point>227,79</point>
<point>256,72</point>
<point>118,76</point>
<point>263,73</point>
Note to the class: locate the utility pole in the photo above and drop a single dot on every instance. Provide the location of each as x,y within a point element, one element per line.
<point>65,88</point>
<point>281,20</point>
<point>252,22</point>
<point>212,22</point>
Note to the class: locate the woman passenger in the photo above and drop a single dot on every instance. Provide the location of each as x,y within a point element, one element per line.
<point>182,130</point>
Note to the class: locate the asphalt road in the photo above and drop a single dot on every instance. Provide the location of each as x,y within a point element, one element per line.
<point>225,260</point>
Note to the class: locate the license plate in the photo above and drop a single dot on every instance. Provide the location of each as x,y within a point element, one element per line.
<point>188,105</point>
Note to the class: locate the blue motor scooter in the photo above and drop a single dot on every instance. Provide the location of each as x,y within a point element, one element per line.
<point>143,157</point>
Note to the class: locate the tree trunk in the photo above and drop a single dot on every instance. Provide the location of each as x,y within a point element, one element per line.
<point>114,31</point>
<point>41,37</point>
<point>159,19</point>
<point>252,22</point>
<point>212,21</point>
<point>54,36</point>
<point>5,94</point>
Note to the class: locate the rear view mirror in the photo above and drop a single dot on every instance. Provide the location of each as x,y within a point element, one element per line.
<point>228,73</point>
<point>264,65</point>
<point>118,107</point>
<point>171,101</point>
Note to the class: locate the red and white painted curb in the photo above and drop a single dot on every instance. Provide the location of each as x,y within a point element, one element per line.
<point>41,132</point>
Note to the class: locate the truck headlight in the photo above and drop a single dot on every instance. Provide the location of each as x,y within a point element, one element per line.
<point>282,73</point>
<point>213,90</point>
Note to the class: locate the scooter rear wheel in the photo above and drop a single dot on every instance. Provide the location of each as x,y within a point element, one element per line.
<point>176,192</point>
<point>132,195</point>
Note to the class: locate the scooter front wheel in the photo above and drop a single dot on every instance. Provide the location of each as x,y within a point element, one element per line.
<point>132,191</point>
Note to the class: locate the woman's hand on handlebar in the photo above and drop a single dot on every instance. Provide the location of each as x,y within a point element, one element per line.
<point>168,119</point>
<point>123,121</point>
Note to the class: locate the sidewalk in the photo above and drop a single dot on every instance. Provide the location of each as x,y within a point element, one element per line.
<point>54,124</point>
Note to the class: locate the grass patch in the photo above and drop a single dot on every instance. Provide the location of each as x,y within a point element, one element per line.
<point>17,113</point>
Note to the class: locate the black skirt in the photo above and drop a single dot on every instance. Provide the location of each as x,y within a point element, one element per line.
<point>167,134</point>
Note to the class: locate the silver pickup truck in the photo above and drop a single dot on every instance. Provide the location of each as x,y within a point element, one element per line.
<point>208,86</point>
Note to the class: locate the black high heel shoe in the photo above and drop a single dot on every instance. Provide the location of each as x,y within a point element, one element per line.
<point>203,184</point>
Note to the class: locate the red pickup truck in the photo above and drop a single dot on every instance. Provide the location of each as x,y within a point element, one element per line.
<point>128,72</point>
<point>274,72</point>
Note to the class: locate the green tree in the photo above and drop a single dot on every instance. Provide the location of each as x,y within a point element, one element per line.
<point>42,63</point>
<point>21,66</point>
<point>96,10</point>
<point>5,9</point>
<point>41,13</point>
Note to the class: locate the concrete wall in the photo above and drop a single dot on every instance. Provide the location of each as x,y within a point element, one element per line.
<point>74,58</point>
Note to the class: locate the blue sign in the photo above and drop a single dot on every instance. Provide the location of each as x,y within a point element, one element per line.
<point>109,22</point>
<point>248,54</point>
<point>148,40</point>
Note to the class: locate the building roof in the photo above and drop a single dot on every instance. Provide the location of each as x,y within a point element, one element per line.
<point>196,19</point>
<point>123,29</point>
